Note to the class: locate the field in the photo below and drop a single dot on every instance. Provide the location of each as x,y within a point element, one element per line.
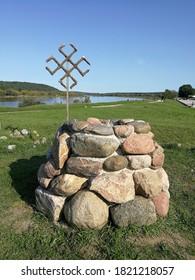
<point>25,233</point>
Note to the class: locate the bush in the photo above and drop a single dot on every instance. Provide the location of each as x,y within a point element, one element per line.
<point>76,101</point>
<point>84,100</point>
<point>29,102</point>
<point>87,100</point>
<point>169,94</point>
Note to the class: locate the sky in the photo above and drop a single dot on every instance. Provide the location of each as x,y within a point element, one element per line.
<point>132,45</point>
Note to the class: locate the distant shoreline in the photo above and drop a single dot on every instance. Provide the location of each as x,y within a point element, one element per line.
<point>12,89</point>
<point>82,94</point>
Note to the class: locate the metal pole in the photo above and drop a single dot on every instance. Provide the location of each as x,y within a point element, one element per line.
<point>67,95</point>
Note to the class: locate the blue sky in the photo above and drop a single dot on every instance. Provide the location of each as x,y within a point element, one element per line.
<point>132,45</point>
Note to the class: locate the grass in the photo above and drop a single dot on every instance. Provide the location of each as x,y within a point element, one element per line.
<point>25,233</point>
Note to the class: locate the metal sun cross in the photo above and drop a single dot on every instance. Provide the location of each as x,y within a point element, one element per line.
<point>67,65</point>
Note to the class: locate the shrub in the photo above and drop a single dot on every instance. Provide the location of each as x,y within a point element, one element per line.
<point>169,94</point>
<point>29,102</point>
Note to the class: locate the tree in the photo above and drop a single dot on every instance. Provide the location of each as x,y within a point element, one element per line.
<point>87,99</point>
<point>9,92</point>
<point>185,91</point>
<point>169,94</point>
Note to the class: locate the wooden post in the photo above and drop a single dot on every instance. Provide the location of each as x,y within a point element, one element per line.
<point>67,93</point>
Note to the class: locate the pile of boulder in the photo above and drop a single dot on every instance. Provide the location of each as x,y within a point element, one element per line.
<point>17,134</point>
<point>101,171</point>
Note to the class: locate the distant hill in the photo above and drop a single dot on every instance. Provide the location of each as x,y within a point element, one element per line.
<point>19,86</point>
<point>15,89</point>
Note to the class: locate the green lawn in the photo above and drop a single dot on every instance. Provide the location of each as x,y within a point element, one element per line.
<point>26,234</point>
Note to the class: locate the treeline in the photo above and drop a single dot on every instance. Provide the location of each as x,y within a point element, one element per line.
<point>16,89</point>
<point>15,93</point>
<point>130,94</point>
<point>19,86</point>
<point>26,89</point>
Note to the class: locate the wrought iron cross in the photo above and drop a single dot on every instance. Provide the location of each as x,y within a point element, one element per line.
<point>67,65</point>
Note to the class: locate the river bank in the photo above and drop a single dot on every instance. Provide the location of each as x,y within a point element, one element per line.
<point>15,102</point>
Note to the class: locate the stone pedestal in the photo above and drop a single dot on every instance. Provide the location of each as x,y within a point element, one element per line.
<point>100,170</point>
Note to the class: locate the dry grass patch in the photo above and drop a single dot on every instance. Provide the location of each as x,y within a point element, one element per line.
<point>18,217</point>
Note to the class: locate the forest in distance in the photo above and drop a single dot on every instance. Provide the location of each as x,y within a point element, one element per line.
<point>16,89</point>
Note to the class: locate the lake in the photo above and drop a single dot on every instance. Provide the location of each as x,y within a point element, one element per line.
<point>14,102</point>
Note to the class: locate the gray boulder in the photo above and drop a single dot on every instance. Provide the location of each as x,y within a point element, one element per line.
<point>115,163</point>
<point>84,166</point>
<point>140,212</point>
<point>51,205</point>
<point>42,176</point>
<point>141,127</point>
<point>79,125</point>
<point>100,129</point>
<point>94,145</point>
<point>125,121</point>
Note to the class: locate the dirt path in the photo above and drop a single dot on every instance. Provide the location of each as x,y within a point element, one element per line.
<point>104,106</point>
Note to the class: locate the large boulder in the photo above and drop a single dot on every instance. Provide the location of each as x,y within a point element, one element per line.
<point>42,176</point>
<point>147,182</point>
<point>140,212</point>
<point>84,166</point>
<point>124,121</point>
<point>100,129</point>
<point>161,203</point>
<point>158,156</point>
<point>138,144</point>
<point>92,120</point>
<point>117,187</point>
<point>67,184</point>
<point>51,169</point>
<point>79,125</point>
<point>158,160</point>
<point>141,127</point>
<point>88,145</point>
<point>139,161</point>
<point>164,178</point>
<point>48,203</point>
<point>61,149</point>
<point>123,130</point>
<point>86,210</point>
<point>115,163</point>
